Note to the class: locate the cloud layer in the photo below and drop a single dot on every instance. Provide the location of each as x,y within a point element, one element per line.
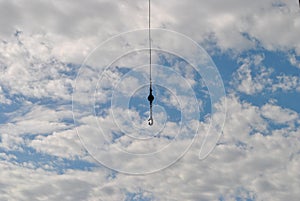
<point>42,46</point>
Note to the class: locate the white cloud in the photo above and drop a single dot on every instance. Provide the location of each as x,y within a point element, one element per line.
<point>23,183</point>
<point>278,114</point>
<point>238,25</point>
<point>245,164</point>
<point>11,142</point>
<point>252,77</point>
<point>71,30</point>
<point>33,119</point>
<point>293,60</point>
<point>245,81</point>
<point>28,69</point>
<point>252,160</point>
<point>286,83</point>
<point>3,98</point>
<point>65,144</point>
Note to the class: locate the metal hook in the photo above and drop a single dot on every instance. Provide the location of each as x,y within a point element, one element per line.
<point>150,99</point>
<point>150,121</point>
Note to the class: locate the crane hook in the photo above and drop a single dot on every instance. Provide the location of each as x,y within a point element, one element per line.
<point>150,121</point>
<point>150,99</point>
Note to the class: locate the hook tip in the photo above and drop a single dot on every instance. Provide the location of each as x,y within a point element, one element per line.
<point>150,122</point>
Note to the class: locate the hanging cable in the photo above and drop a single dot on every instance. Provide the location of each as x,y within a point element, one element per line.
<point>150,49</point>
<point>150,97</point>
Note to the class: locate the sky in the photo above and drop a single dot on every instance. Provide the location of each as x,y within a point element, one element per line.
<point>74,83</point>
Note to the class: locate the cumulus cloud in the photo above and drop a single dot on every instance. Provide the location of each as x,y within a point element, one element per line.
<point>28,69</point>
<point>41,49</point>
<point>278,114</point>
<point>249,162</point>
<point>73,29</point>
<point>244,79</point>
<point>253,77</point>
<point>293,60</point>
<point>3,98</point>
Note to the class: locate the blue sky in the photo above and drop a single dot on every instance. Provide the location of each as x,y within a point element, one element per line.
<point>73,110</point>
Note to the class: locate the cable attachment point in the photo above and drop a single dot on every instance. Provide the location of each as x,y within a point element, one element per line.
<point>150,97</point>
